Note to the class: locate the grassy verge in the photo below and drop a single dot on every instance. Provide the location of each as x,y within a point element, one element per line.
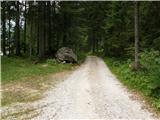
<point>16,68</point>
<point>136,80</point>
<point>24,81</point>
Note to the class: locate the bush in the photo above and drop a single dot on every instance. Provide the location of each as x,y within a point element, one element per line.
<point>145,80</point>
<point>151,61</point>
<point>51,61</point>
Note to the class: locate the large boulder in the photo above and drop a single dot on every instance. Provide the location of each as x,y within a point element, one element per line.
<point>66,54</point>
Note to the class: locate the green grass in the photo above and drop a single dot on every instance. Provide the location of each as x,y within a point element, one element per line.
<point>24,81</point>
<point>16,68</point>
<point>136,80</point>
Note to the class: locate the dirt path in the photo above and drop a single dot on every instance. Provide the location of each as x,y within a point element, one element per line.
<point>90,92</point>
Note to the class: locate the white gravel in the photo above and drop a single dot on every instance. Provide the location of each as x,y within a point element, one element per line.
<point>90,92</point>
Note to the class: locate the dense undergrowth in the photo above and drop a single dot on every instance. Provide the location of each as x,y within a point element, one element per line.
<point>16,68</point>
<point>145,80</point>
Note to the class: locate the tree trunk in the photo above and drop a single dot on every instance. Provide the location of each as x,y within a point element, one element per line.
<point>136,16</point>
<point>55,39</point>
<point>31,38</point>
<point>38,35</point>
<point>64,29</point>
<point>49,27</point>
<point>93,42</point>
<point>25,23</point>
<point>4,28</point>
<point>9,34</point>
<point>44,25</point>
<point>17,35</point>
<point>41,30</point>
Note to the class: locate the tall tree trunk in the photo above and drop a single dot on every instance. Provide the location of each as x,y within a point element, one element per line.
<point>64,29</point>
<point>49,27</point>
<point>55,42</point>
<point>136,16</point>
<point>31,38</point>
<point>25,23</point>
<point>41,30</point>
<point>9,34</point>
<point>4,27</point>
<point>38,35</point>
<point>17,35</point>
<point>90,41</point>
<point>44,25</point>
<point>93,42</point>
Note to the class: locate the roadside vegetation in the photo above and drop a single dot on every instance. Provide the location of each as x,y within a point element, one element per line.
<point>23,80</point>
<point>146,80</point>
<point>16,68</point>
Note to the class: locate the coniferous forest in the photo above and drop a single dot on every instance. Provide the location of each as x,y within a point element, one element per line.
<point>40,28</point>
<point>126,34</point>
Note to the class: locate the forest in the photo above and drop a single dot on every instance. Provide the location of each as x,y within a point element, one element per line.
<point>126,34</point>
<point>40,28</point>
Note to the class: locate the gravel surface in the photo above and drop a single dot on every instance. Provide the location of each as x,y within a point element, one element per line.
<point>90,92</point>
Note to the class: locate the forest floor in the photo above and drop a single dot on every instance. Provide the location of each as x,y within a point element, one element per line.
<point>90,92</point>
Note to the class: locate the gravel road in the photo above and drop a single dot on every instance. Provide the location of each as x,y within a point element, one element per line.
<point>90,92</point>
